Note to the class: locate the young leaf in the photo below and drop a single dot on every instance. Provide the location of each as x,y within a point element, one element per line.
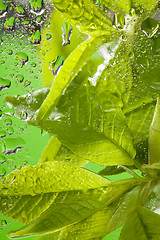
<point>74,206</point>
<point>71,67</point>
<point>142,224</point>
<point>86,16</point>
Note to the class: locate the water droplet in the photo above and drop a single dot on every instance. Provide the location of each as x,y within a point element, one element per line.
<point>4,83</point>
<point>2,134</point>
<point>1,41</point>
<point>27,83</point>
<point>132,12</point>
<point>3,222</point>
<point>150,27</point>
<point>55,65</point>
<point>10,130</point>
<point>23,115</point>
<point>2,62</point>
<point>36,37</point>
<point>119,20</point>
<point>9,24</point>
<point>20,78</point>
<point>2,172</point>
<point>36,5</point>
<point>2,159</point>
<point>20,11</point>
<point>12,145</point>
<point>22,57</point>
<point>26,22</point>
<point>48,36</point>
<point>67,30</point>
<point>39,19</point>
<point>9,51</point>
<point>24,162</point>
<point>33,65</point>
<point>3,8</point>
<point>8,121</point>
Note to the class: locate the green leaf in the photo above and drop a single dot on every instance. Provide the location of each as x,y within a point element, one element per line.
<point>86,16</point>
<point>89,123</point>
<point>55,151</point>
<point>70,69</point>
<point>40,178</point>
<point>93,227</point>
<point>146,54</point>
<point>65,208</point>
<point>125,205</point>
<point>142,224</point>
<point>118,5</point>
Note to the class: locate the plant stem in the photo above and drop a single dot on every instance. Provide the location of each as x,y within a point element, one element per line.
<point>154,136</point>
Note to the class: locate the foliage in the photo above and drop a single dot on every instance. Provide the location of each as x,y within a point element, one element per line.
<point>106,119</point>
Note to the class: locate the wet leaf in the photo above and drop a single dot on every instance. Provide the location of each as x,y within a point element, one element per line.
<point>86,16</point>
<point>99,131</point>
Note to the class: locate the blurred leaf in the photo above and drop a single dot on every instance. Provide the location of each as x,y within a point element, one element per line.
<point>118,5</point>
<point>141,224</point>
<point>143,4</point>
<point>86,16</point>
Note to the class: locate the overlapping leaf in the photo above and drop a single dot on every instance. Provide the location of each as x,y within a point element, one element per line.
<point>91,125</point>
<point>40,195</point>
<point>70,69</point>
<point>55,151</point>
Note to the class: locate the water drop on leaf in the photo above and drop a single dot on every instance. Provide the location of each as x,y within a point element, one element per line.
<point>56,64</point>
<point>119,20</point>
<point>150,27</point>
<point>48,36</point>
<point>33,65</point>
<point>3,222</point>
<point>67,30</point>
